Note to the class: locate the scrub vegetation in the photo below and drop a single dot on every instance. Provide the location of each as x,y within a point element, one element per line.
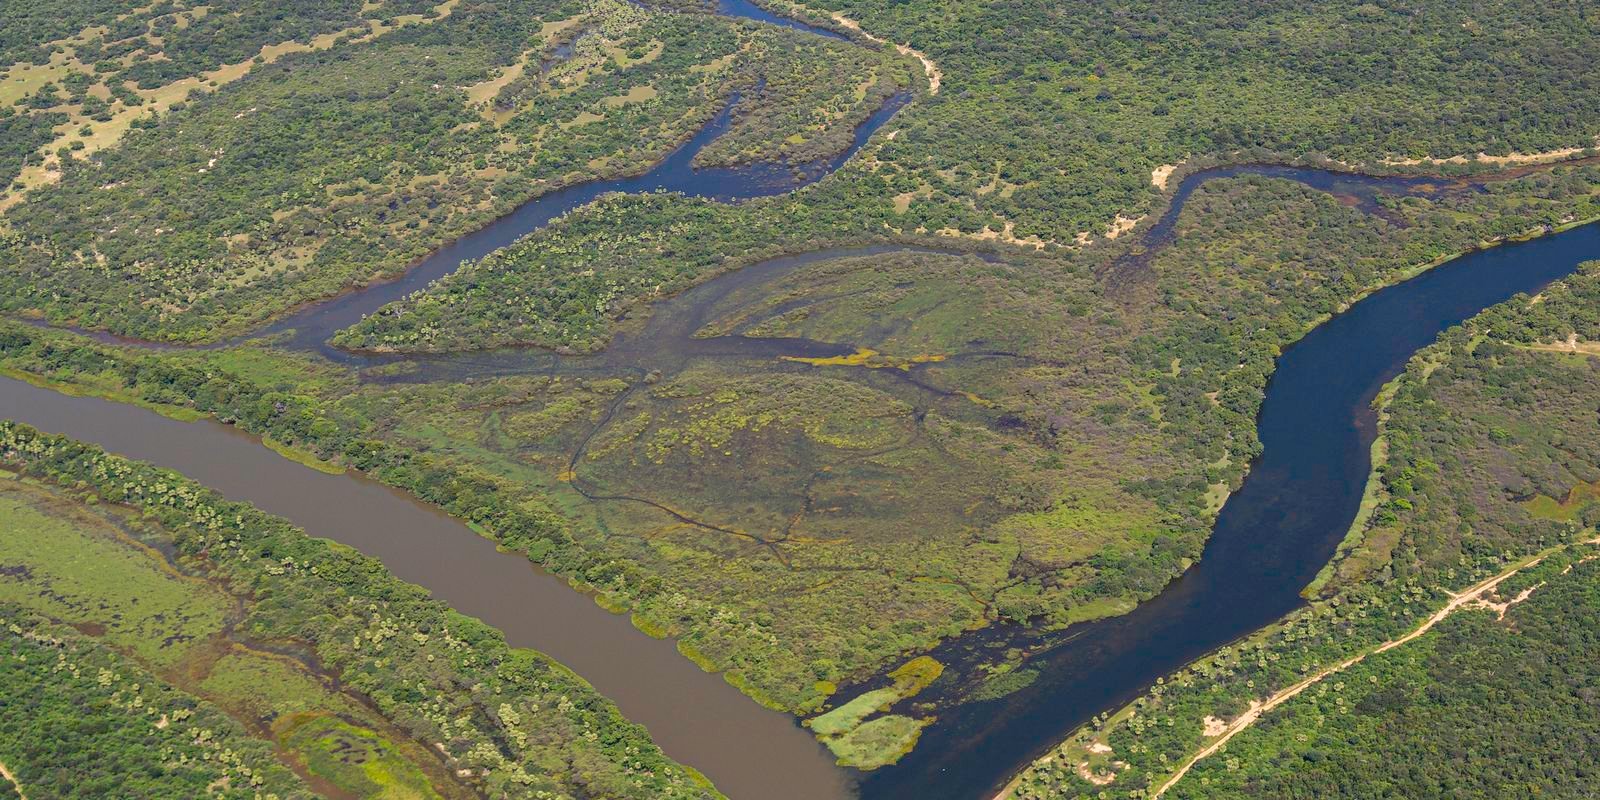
<point>339,164</point>
<point>808,477</point>
<point>1046,439</point>
<point>1053,115</point>
<point>1489,470</point>
<point>84,721</point>
<point>207,638</point>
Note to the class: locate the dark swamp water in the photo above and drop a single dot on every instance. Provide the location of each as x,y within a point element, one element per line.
<point>1271,539</point>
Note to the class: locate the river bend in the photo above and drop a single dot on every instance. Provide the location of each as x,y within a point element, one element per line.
<point>1316,427</point>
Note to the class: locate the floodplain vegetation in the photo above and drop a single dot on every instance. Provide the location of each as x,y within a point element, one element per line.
<point>323,166</point>
<point>953,443</point>
<point>1053,116</point>
<point>157,640</point>
<point>1043,440</point>
<point>1487,466</point>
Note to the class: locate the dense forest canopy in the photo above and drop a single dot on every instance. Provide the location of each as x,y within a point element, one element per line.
<point>1072,105</point>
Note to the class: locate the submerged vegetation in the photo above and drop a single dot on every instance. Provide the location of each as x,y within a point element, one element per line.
<point>185,605</point>
<point>1054,448</point>
<point>868,743</point>
<point>806,476</point>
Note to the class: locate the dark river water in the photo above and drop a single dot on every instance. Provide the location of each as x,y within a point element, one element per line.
<point>314,324</point>
<point>1272,537</point>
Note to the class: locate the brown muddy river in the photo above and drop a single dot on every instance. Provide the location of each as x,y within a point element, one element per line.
<point>696,717</point>
<point>752,753</point>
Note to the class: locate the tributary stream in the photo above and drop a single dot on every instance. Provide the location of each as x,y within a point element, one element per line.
<point>1273,535</point>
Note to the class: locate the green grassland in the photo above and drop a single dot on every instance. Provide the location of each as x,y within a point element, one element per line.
<point>1483,431</point>
<point>79,571</point>
<point>870,743</point>
<point>310,651</point>
<point>85,721</point>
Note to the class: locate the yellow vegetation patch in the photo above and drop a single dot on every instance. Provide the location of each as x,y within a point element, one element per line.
<point>1565,510</point>
<point>637,94</point>
<point>657,47</point>
<point>866,357</point>
<point>582,119</point>
<point>480,95</point>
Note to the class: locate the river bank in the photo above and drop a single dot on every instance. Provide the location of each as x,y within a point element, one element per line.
<point>1273,536</point>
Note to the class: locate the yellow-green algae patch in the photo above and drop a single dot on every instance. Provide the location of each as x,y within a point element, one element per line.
<point>354,759</point>
<point>869,358</point>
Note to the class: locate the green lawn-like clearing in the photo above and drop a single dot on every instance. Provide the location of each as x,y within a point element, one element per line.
<point>79,569</point>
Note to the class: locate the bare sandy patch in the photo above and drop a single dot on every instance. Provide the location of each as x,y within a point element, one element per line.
<point>1162,175</point>
<point>1570,345</point>
<point>1508,160</point>
<point>6,773</point>
<point>100,135</point>
<point>1123,224</point>
<point>480,95</point>
<point>1503,606</point>
<point>1006,234</point>
<point>935,75</point>
<point>1096,778</point>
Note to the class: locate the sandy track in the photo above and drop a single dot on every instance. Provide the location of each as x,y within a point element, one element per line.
<point>6,773</point>
<point>1472,596</point>
<point>1508,160</point>
<point>935,76</point>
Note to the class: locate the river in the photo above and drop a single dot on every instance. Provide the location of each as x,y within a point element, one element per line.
<point>1272,537</point>
<point>1316,427</point>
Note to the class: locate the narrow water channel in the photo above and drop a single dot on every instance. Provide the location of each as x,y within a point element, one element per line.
<point>696,717</point>
<point>313,325</point>
<point>1272,536</point>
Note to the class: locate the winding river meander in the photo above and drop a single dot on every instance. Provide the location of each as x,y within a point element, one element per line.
<point>1273,535</point>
